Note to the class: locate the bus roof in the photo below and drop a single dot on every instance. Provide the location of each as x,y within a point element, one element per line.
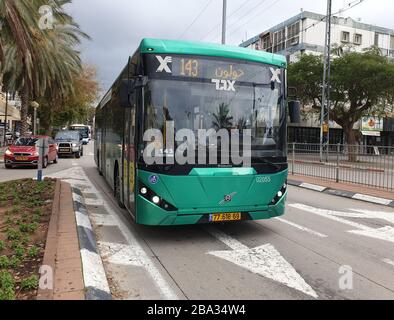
<point>210,49</point>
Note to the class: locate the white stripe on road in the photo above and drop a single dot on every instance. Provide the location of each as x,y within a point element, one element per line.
<point>315,233</point>
<point>385,233</point>
<point>313,187</point>
<point>372,199</point>
<point>388,261</point>
<point>264,260</point>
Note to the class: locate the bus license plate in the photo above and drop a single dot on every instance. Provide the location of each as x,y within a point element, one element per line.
<point>220,217</point>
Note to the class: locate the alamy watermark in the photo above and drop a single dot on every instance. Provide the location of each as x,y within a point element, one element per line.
<point>201,147</point>
<point>47,20</point>
<point>346,278</point>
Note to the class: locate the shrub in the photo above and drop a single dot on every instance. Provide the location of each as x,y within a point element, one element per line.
<point>4,262</point>
<point>7,284</point>
<point>30,283</point>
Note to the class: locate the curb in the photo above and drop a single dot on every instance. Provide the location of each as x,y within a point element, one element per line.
<point>96,283</point>
<point>342,193</point>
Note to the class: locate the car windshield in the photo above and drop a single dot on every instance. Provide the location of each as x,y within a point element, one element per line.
<point>26,142</point>
<point>67,136</point>
<point>194,99</point>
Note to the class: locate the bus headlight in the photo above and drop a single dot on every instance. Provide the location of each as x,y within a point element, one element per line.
<point>152,197</point>
<point>279,195</point>
<point>155,199</point>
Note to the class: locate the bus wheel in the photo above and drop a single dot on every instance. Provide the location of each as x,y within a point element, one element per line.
<point>117,189</point>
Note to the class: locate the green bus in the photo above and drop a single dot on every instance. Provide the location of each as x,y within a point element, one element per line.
<point>196,87</point>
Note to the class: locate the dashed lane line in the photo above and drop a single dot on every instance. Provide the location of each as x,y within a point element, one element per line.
<point>299,227</point>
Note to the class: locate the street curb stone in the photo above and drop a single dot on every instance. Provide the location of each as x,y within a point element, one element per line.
<point>342,193</point>
<point>96,283</point>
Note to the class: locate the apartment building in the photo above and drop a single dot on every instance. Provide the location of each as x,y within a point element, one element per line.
<point>305,33</point>
<point>13,111</point>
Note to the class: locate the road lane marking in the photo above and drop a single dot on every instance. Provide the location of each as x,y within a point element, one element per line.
<point>77,177</point>
<point>313,187</point>
<point>385,233</point>
<point>388,261</point>
<point>315,233</point>
<point>264,260</point>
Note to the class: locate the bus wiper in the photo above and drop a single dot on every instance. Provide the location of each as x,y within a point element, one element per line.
<point>277,167</point>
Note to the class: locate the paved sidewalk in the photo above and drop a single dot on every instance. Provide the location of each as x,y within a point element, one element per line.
<point>2,151</point>
<point>62,252</point>
<point>348,190</point>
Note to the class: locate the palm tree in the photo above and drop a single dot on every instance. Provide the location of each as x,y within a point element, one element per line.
<point>35,61</point>
<point>222,118</point>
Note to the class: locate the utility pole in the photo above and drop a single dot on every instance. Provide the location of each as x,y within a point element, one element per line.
<point>6,118</point>
<point>224,22</point>
<point>325,107</point>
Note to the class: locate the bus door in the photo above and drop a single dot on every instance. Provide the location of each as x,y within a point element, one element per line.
<point>129,158</point>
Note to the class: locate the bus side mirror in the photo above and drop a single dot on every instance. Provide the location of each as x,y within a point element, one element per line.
<point>140,81</point>
<point>295,111</point>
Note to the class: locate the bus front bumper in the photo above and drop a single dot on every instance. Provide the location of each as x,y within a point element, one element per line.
<point>150,214</point>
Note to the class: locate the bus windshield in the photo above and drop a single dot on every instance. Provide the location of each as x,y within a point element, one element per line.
<point>207,94</point>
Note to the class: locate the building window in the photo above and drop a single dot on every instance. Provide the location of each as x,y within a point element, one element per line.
<point>293,34</point>
<point>267,43</point>
<point>280,40</point>
<point>358,39</point>
<point>345,36</point>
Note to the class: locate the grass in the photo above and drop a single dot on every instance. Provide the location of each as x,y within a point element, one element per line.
<point>25,208</point>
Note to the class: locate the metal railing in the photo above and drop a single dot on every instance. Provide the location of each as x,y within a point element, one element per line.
<point>372,166</point>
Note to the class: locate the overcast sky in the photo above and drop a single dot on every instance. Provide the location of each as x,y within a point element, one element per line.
<point>117,26</point>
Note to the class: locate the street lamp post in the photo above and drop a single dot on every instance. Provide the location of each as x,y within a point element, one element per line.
<point>224,22</point>
<point>35,105</point>
<point>6,118</point>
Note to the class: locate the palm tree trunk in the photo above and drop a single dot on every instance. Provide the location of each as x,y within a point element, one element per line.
<point>24,109</point>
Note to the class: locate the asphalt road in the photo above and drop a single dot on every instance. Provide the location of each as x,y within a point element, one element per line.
<point>324,247</point>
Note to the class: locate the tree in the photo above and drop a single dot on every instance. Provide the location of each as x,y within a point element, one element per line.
<point>222,117</point>
<point>36,61</point>
<point>361,84</point>
<point>75,106</point>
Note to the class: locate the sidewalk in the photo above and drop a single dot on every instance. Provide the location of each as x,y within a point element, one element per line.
<point>2,151</point>
<point>62,252</point>
<point>354,191</point>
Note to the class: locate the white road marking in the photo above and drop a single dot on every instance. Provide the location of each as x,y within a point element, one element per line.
<point>315,233</point>
<point>388,261</point>
<point>386,233</point>
<point>313,187</point>
<point>77,177</point>
<point>372,199</point>
<point>94,202</point>
<point>264,260</point>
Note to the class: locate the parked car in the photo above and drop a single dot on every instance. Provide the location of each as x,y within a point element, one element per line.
<point>70,143</point>
<point>24,152</point>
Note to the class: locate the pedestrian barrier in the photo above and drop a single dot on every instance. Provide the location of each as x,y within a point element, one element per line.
<point>372,166</point>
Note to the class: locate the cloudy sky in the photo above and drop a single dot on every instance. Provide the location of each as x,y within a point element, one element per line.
<point>117,26</point>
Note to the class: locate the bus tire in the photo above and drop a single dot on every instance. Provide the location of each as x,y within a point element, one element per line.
<point>98,164</point>
<point>117,188</point>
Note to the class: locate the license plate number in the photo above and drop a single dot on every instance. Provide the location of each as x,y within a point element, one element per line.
<point>21,158</point>
<point>64,150</point>
<point>220,217</point>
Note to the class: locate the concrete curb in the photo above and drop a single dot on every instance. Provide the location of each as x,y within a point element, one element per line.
<point>342,193</point>
<point>96,283</point>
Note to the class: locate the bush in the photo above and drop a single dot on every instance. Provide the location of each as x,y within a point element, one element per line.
<point>4,262</point>
<point>7,285</point>
<point>30,283</point>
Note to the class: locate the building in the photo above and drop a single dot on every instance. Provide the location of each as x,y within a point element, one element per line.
<point>305,33</point>
<point>13,111</point>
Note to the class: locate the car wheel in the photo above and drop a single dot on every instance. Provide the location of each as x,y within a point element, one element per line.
<point>78,155</point>
<point>82,152</point>
<point>56,159</point>
<point>7,166</point>
<point>45,162</point>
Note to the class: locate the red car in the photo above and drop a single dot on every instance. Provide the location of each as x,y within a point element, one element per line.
<point>24,152</point>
